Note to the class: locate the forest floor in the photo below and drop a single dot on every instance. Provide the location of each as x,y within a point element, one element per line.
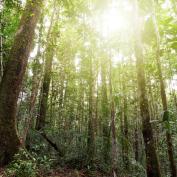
<point>64,172</point>
<point>75,173</point>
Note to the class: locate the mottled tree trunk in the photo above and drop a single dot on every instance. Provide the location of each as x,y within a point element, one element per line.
<point>12,81</point>
<point>152,162</point>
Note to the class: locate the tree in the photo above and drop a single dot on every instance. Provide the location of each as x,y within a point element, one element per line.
<point>49,54</point>
<point>12,80</point>
<point>152,162</point>
<point>105,112</point>
<point>164,97</point>
<point>91,132</point>
<point>113,127</point>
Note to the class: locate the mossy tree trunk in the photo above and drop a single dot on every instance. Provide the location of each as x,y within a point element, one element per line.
<point>12,81</point>
<point>152,162</point>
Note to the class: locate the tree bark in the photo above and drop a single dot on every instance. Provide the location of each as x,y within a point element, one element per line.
<point>41,119</point>
<point>105,115</point>
<point>91,132</point>
<point>36,81</point>
<point>125,128</point>
<point>164,98</point>
<point>12,81</point>
<point>152,162</point>
<point>1,50</point>
<point>113,127</point>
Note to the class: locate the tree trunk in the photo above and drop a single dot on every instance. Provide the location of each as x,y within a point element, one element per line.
<point>125,128</point>
<point>41,119</point>
<point>164,99</point>
<point>1,50</point>
<point>12,81</point>
<point>105,115</point>
<point>136,144</point>
<point>37,72</point>
<point>113,127</point>
<point>152,162</point>
<point>91,134</point>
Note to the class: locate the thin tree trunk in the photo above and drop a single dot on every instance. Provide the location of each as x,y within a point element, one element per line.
<point>125,128</point>
<point>1,48</point>
<point>91,134</point>
<point>136,144</point>
<point>41,119</point>
<point>12,81</point>
<point>105,115</point>
<point>113,128</point>
<point>164,99</point>
<point>35,86</point>
<point>175,99</point>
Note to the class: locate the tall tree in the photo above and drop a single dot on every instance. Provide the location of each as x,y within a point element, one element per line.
<point>91,132</point>
<point>37,73</point>
<point>49,54</point>
<point>113,126</point>
<point>152,162</point>
<point>163,96</point>
<point>105,112</point>
<point>12,80</point>
<point>125,125</point>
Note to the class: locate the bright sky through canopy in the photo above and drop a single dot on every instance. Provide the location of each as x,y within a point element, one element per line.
<point>115,18</point>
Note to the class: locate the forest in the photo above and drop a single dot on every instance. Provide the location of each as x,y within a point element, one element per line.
<point>88,88</point>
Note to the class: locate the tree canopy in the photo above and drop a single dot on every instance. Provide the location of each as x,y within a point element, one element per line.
<point>88,88</point>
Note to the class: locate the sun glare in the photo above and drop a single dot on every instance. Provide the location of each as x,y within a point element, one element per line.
<point>114,19</point>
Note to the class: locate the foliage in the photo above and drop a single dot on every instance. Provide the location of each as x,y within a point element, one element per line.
<point>93,83</point>
<point>22,165</point>
<point>28,164</point>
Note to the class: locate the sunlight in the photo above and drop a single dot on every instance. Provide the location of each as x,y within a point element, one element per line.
<point>111,22</point>
<point>23,2</point>
<point>172,84</point>
<point>77,60</point>
<point>117,57</point>
<point>114,19</point>
<point>166,4</point>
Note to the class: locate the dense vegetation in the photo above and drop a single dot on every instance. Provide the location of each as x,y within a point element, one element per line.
<point>88,88</point>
